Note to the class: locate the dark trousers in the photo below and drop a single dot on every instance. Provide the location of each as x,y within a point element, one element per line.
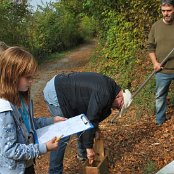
<point>30,170</point>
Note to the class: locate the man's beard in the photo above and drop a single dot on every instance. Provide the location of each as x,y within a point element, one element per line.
<point>169,19</point>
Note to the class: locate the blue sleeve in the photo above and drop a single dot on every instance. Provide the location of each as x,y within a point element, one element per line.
<point>12,144</point>
<point>43,121</point>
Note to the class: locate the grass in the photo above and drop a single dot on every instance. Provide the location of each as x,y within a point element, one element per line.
<point>149,168</point>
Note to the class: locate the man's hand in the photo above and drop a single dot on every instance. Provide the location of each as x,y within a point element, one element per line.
<point>157,67</point>
<point>90,155</point>
<point>58,118</point>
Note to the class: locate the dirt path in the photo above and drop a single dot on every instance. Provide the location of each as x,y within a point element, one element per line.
<point>73,61</point>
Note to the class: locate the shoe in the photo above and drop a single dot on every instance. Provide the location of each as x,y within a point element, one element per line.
<point>159,124</point>
<point>168,118</point>
<point>81,158</point>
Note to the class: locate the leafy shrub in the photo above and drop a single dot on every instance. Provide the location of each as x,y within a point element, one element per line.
<point>124,27</point>
<point>14,23</point>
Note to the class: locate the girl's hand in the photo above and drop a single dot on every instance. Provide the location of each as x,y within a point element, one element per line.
<point>52,144</point>
<point>58,118</point>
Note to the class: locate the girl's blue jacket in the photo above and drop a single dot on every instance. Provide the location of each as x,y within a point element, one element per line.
<point>16,151</point>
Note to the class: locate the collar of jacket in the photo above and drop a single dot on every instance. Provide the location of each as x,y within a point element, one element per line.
<point>5,105</point>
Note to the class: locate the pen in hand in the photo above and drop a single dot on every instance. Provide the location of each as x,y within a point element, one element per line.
<point>58,138</point>
<point>53,144</point>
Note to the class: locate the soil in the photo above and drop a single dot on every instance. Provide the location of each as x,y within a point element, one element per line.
<point>134,145</point>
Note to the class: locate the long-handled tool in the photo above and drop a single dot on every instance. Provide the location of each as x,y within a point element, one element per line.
<point>123,110</point>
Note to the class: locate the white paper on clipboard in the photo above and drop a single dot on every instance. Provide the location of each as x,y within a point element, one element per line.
<point>68,127</point>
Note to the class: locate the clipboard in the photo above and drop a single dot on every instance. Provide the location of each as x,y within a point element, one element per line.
<point>66,128</point>
<point>168,169</point>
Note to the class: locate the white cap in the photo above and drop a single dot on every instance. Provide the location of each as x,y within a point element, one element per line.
<point>127,96</point>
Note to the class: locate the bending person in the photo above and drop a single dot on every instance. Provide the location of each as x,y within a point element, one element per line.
<point>68,95</point>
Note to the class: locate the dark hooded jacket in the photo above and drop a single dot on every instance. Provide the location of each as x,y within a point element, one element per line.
<point>89,93</point>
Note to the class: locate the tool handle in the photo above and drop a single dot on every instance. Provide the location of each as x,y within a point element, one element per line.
<point>113,119</point>
<point>143,84</point>
<point>151,75</point>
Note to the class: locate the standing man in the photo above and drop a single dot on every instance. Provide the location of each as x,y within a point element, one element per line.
<point>72,94</point>
<point>160,43</point>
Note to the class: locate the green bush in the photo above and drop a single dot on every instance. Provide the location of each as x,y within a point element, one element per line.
<point>124,27</point>
<point>14,23</point>
<point>51,28</point>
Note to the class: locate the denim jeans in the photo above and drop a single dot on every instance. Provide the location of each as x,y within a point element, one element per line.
<point>81,150</point>
<point>56,157</point>
<point>163,82</point>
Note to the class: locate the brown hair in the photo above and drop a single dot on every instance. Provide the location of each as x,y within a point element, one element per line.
<point>3,46</point>
<point>15,62</point>
<point>167,2</point>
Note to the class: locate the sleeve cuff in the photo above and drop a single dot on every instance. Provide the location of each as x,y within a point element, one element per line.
<point>50,120</point>
<point>42,148</point>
